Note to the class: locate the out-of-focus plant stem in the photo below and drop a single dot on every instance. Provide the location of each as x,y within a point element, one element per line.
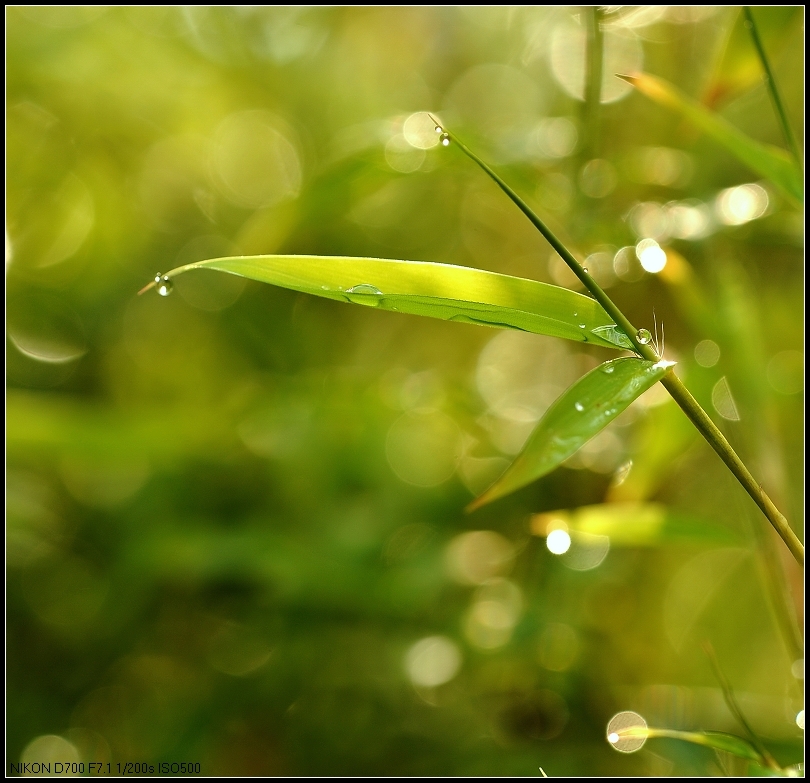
<point>690,406</point>
<point>773,574</point>
<point>773,90</point>
<point>593,81</point>
<point>734,708</point>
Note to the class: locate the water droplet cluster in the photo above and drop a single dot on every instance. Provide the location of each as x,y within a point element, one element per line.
<point>444,137</point>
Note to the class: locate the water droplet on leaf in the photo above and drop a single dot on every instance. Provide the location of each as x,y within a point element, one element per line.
<point>579,406</point>
<point>439,129</point>
<point>365,288</point>
<point>164,284</point>
<point>643,336</point>
<point>445,139</point>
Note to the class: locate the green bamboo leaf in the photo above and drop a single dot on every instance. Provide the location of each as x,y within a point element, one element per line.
<point>453,293</point>
<point>580,413</point>
<point>717,740</point>
<point>768,161</point>
<point>636,525</point>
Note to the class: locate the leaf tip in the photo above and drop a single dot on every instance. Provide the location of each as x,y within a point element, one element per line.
<point>149,285</point>
<point>474,505</point>
<point>630,78</point>
<point>485,498</point>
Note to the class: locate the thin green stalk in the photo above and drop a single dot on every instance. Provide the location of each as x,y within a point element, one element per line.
<point>773,90</point>
<point>585,278</point>
<point>778,592</point>
<point>688,404</point>
<point>593,81</point>
<point>734,708</point>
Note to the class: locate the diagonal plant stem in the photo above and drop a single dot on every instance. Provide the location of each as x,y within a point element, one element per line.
<point>584,276</point>
<point>773,90</point>
<point>688,404</point>
<point>734,707</point>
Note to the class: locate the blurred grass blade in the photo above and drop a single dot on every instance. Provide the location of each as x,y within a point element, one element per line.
<point>584,409</point>
<point>453,293</point>
<point>768,161</point>
<point>717,740</point>
<point>773,89</point>
<point>734,707</point>
<point>636,525</point>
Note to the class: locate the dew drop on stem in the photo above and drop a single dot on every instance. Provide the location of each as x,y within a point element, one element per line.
<point>643,336</point>
<point>164,284</point>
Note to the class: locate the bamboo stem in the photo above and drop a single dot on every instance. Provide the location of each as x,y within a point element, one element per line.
<point>688,404</point>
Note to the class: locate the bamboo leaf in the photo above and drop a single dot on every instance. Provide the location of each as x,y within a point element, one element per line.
<point>453,293</point>
<point>636,525</point>
<point>717,740</point>
<point>765,159</point>
<point>580,413</point>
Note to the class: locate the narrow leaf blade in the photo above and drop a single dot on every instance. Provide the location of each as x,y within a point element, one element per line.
<point>717,740</point>
<point>454,293</point>
<point>768,161</point>
<point>636,525</point>
<point>580,413</point>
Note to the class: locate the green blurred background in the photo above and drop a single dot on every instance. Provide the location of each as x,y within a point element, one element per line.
<point>235,526</point>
